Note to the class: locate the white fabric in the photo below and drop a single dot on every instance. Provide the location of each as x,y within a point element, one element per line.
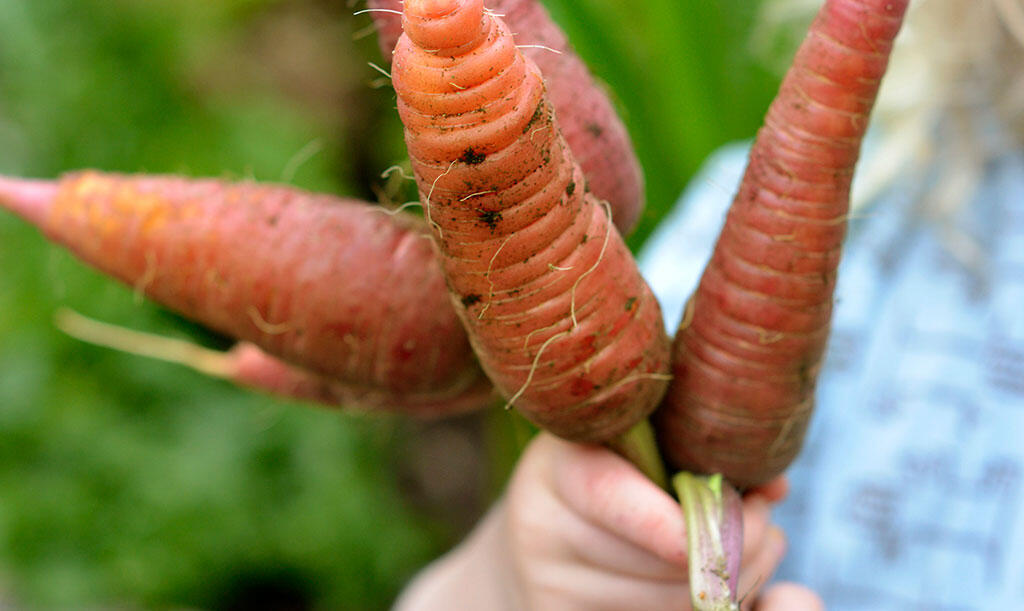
<point>909,493</point>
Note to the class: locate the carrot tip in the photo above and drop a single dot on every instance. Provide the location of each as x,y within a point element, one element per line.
<point>29,199</point>
<point>440,25</point>
<point>430,9</point>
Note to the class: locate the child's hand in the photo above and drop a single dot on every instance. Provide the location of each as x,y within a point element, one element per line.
<point>580,528</point>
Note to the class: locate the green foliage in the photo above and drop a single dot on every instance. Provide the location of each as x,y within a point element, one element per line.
<point>683,76</point>
<point>124,480</point>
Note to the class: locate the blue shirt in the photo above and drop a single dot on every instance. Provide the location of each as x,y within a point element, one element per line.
<point>909,493</point>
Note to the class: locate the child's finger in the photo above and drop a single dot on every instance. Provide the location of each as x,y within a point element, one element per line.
<point>760,564</point>
<point>773,491</point>
<point>605,489</point>
<point>789,597</point>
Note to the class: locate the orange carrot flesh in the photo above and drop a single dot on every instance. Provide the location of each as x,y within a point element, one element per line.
<point>337,288</point>
<point>747,353</point>
<point>588,120</point>
<point>556,309</point>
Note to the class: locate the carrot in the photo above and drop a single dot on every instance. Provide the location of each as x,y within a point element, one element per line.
<point>555,307</point>
<point>340,290</point>
<point>598,139</point>
<point>247,365</point>
<point>750,344</point>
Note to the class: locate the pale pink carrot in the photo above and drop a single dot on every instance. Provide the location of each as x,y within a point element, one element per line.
<point>336,287</point>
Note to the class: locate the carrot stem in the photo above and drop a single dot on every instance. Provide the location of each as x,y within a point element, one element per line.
<point>712,549</point>
<point>638,446</point>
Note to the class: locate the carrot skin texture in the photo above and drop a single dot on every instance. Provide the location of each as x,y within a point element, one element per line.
<point>331,286</point>
<point>524,246</point>
<point>747,353</point>
<point>595,133</point>
<point>251,367</point>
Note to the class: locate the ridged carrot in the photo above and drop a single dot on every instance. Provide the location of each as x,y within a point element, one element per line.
<point>338,288</point>
<point>554,304</point>
<point>588,119</point>
<point>750,344</point>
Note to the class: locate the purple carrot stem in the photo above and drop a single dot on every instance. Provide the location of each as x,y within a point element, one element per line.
<point>714,531</point>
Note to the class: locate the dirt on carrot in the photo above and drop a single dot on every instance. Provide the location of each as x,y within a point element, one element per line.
<point>748,351</point>
<point>542,279</point>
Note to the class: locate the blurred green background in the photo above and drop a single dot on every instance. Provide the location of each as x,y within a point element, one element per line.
<point>137,484</point>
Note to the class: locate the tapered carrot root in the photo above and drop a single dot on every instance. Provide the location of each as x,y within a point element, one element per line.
<point>598,139</point>
<point>253,368</point>
<point>248,366</point>
<point>556,308</point>
<point>749,348</point>
<point>337,288</point>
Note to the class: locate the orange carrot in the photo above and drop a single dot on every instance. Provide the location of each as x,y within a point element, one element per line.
<point>748,350</point>
<point>556,309</point>
<point>342,290</point>
<point>247,365</point>
<point>598,139</point>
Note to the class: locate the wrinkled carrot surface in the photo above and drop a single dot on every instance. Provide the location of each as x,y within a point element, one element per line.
<point>588,120</point>
<point>750,345</point>
<point>338,288</point>
<point>555,306</point>
<point>251,367</point>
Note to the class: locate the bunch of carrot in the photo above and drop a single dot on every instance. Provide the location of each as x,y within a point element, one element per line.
<point>524,276</point>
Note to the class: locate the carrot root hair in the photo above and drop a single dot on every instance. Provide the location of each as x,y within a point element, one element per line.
<point>749,347</point>
<point>555,307</point>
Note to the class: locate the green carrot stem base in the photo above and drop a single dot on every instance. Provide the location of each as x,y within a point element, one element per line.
<point>637,445</point>
<point>709,547</point>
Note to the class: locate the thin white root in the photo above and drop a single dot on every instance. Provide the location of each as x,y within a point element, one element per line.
<point>397,210</point>
<point>635,378</point>
<point>376,10</point>
<point>546,48</point>
<point>379,69</point>
<point>529,336</point>
<point>426,205</point>
<point>298,159</point>
<point>533,368</point>
<point>572,310</point>
<point>478,194</point>
<point>396,168</point>
<point>267,327</point>
<point>600,257</point>
<point>204,360</point>
<point>147,278</point>
<point>487,275</point>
